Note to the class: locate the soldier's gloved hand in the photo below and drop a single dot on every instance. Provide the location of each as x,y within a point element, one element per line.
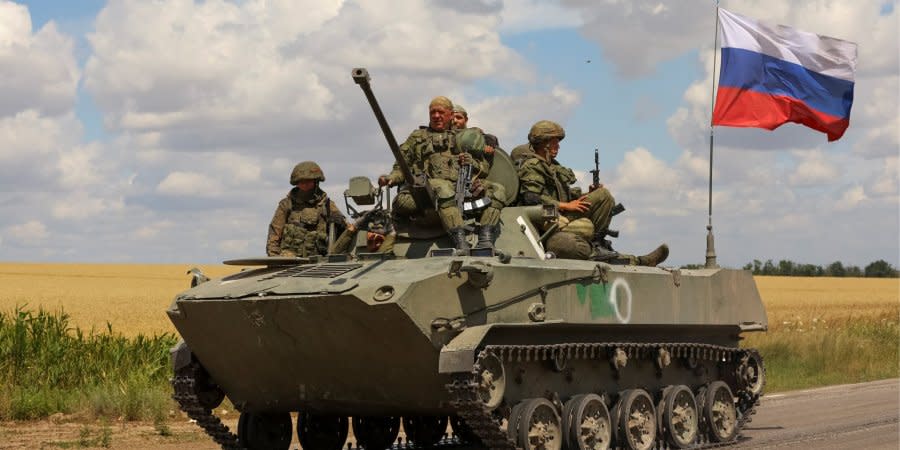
<point>466,158</point>
<point>383,181</point>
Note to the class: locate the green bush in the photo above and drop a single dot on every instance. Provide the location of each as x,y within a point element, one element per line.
<point>48,366</point>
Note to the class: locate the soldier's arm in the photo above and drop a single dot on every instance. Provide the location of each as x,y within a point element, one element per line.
<point>408,152</point>
<point>276,227</point>
<point>344,242</point>
<point>532,182</point>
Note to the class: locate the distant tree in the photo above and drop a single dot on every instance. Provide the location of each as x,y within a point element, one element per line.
<point>786,267</point>
<point>768,268</point>
<point>836,269</point>
<point>880,269</point>
<point>693,266</point>
<point>853,271</point>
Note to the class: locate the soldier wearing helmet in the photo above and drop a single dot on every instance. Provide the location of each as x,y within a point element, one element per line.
<point>299,226</point>
<point>438,150</point>
<point>583,217</point>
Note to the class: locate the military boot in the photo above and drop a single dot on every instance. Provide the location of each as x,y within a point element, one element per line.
<point>487,234</point>
<point>655,257</point>
<point>602,254</point>
<point>458,236</point>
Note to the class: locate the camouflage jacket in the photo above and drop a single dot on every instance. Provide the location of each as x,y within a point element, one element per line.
<point>544,182</point>
<point>435,154</point>
<point>300,227</point>
<point>524,152</point>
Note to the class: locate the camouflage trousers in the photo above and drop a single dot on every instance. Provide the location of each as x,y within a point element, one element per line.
<point>600,212</point>
<point>445,197</point>
<point>566,245</point>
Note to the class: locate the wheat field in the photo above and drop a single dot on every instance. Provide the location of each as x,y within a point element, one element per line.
<point>133,297</point>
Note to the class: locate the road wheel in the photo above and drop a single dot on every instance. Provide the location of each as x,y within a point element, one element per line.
<point>679,416</point>
<point>589,426</point>
<point>720,412</point>
<point>540,427</point>
<point>376,433</point>
<point>265,431</point>
<point>322,431</point>
<point>636,417</point>
<point>425,431</point>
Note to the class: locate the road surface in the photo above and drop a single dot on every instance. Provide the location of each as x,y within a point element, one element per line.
<point>859,416</point>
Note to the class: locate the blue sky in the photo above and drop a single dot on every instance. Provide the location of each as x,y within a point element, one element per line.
<point>162,131</point>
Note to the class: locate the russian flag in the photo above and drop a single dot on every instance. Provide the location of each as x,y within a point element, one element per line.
<point>771,75</point>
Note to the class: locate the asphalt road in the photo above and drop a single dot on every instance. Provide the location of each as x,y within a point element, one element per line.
<point>854,416</point>
<point>863,416</point>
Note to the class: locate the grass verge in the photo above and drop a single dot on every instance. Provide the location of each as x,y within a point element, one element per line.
<point>48,366</point>
<point>804,353</point>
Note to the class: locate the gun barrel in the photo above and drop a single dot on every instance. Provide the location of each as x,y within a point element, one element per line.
<point>361,77</point>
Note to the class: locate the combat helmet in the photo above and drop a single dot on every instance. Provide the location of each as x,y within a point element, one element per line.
<point>307,170</point>
<point>545,129</point>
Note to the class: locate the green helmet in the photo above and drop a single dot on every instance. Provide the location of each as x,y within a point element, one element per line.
<point>470,140</point>
<point>545,129</point>
<point>307,170</point>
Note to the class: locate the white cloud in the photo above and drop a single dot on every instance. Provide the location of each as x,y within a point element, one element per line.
<point>30,233</point>
<point>851,198</point>
<point>81,205</point>
<point>529,15</point>
<point>640,170</point>
<point>885,183</point>
<point>189,184</point>
<point>813,169</point>
<point>234,246</point>
<point>152,230</point>
<point>38,70</point>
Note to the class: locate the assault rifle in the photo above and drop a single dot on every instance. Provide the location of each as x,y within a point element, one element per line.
<point>595,184</point>
<point>463,185</point>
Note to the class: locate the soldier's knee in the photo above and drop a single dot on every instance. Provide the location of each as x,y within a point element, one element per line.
<point>568,245</point>
<point>601,195</point>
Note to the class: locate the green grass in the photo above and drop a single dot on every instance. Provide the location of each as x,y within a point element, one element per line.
<point>808,354</point>
<point>48,366</point>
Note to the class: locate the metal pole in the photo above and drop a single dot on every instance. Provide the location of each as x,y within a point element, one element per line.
<point>710,240</point>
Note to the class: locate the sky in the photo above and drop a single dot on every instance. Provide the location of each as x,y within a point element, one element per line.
<point>165,131</point>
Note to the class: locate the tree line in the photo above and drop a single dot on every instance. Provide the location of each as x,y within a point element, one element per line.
<point>788,268</point>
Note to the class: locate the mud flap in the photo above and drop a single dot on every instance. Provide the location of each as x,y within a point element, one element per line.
<point>459,354</point>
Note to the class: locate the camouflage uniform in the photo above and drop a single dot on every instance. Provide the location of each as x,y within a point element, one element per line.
<point>299,226</point>
<point>549,183</point>
<point>542,182</point>
<point>442,164</point>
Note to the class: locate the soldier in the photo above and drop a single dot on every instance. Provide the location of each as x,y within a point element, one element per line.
<point>440,114</point>
<point>299,226</point>
<point>541,182</point>
<point>438,151</point>
<point>460,117</point>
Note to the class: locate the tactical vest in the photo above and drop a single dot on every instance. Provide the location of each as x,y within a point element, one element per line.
<point>440,155</point>
<point>305,232</point>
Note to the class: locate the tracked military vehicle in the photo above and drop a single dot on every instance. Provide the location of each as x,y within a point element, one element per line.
<point>515,348</point>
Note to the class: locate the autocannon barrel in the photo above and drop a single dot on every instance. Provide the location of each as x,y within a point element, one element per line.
<point>361,77</point>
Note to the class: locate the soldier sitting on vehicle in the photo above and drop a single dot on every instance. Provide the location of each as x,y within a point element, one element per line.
<point>583,217</point>
<point>439,152</point>
<point>299,226</point>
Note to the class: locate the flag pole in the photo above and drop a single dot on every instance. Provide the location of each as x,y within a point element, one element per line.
<point>710,240</point>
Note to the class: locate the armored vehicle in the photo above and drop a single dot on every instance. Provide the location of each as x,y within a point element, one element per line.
<point>511,346</point>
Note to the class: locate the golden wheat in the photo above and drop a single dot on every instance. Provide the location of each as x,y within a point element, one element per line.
<point>134,297</point>
<point>131,297</point>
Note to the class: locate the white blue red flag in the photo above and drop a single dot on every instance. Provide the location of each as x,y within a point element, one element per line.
<point>771,75</point>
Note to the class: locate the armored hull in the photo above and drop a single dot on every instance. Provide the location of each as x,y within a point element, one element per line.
<point>516,349</point>
<point>377,336</point>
